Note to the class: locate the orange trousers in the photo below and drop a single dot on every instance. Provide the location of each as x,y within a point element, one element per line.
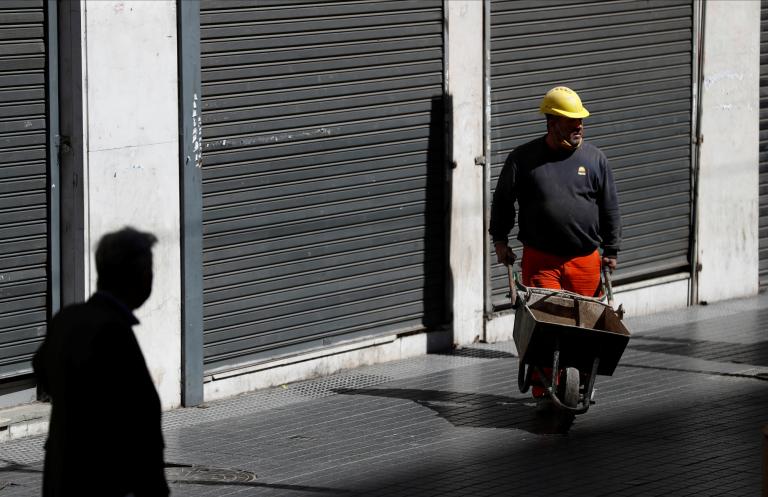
<point>576,274</point>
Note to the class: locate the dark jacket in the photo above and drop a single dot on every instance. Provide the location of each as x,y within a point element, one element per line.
<point>105,436</point>
<point>568,203</point>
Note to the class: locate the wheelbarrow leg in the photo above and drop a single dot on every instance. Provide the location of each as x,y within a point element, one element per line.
<point>550,385</point>
<point>589,386</point>
<point>567,393</point>
<point>524,376</point>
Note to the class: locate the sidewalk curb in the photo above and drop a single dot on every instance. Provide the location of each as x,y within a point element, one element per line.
<point>24,421</point>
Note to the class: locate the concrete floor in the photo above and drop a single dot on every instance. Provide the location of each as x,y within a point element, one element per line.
<point>681,416</point>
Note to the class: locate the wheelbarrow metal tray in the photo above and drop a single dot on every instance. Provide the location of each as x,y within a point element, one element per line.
<point>581,329</point>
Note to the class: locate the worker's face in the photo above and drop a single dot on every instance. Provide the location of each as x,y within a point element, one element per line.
<point>567,129</point>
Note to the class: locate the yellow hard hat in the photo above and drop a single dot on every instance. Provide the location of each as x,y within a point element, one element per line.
<point>562,101</point>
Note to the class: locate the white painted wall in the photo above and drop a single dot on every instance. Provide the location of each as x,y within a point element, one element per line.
<point>131,158</point>
<point>728,204</point>
<point>464,82</point>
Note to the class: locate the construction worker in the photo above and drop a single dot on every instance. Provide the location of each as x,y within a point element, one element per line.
<point>568,209</point>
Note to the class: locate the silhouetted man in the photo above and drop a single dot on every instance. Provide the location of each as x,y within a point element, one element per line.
<point>105,437</point>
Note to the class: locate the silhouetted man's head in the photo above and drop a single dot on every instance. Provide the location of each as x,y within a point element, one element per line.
<point>124,265</point>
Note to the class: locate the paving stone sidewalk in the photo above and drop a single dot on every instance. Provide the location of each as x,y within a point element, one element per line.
<point>681,416</point>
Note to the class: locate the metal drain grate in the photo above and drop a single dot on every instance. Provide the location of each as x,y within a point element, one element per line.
<point>327,386</point>
<point>180,473</point>
<point>22,451</point>
<point>484,353</point>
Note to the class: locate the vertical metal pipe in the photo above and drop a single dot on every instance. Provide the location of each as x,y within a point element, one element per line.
<point>699,11</point>
<point>487,260</point>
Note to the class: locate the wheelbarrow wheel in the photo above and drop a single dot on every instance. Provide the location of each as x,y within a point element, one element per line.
<point>568,392</point>
<point>569,387</point>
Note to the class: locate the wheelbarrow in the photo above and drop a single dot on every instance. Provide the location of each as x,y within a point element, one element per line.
<point>578,337</point>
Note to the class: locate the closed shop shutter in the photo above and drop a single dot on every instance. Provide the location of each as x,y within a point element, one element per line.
<point>763,144</point>
<point>322,173</point>
<point>23,184</point>
<point>631,63</point>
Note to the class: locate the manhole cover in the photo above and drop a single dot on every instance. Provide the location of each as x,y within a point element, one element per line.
<point>192,474</point>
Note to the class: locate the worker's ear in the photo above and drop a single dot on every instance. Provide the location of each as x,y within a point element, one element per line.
<point>550,121</point>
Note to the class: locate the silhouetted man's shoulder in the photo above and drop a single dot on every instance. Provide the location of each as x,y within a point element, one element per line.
<point>80,340</point>
<point>69,314</point>
<point>98,313</point>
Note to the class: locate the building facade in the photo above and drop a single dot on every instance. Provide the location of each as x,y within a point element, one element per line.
<point>318,173</point>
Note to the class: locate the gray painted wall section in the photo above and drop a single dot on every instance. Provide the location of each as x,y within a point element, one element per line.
<point>190,154</point>
<point>71,155</point>
<point>54,188</point>
<point>763,222</point>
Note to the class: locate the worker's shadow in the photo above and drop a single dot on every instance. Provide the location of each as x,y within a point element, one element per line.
<point>475,410</point>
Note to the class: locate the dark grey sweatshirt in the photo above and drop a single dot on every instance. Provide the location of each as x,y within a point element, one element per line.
<point>567,200</point>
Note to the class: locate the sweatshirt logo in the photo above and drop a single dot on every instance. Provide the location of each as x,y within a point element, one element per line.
<point>582,171</point>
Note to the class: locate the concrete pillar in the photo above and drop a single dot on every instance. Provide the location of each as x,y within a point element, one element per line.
<point>464,82</point>
<point>130,170</point>
<point>728,203</point>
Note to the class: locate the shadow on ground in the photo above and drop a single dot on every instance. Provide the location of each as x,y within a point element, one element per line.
<point>474,410</point>
<point>254,484</point>
<point>755,354</point>
<point>647,449</point>
<point>15,467</point>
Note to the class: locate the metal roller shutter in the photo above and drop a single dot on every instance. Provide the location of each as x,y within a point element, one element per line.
<point>763,144</point>
<point>631,63</point>
<point>24,239</point>
<point>322,173</point>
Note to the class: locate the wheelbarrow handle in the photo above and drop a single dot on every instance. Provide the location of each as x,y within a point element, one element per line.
<point>512,286</point>
<point>608,285</point>
<point>516,285</point>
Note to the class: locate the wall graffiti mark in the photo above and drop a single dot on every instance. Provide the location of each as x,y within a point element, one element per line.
<point>270,139</point>
<point>722,76</point>
<point>197,133</point>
